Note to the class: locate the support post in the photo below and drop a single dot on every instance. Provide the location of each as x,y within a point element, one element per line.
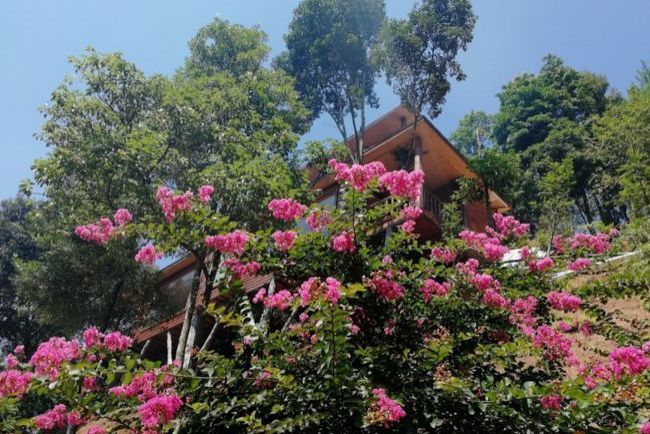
<point>169,348</point>
<point>417,165</point>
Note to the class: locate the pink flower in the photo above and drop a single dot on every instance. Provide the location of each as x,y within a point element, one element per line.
<point>344,242</point>
<point>50,355</point>
<point>403,184</point>
<point>556,345</point>
<point>148,255</point>
<point>159,410</point>
<point>11,361</point>
<point>411,212</point>
<point>259,296</point>
<point>51,419</point>
<point>493,298</point>
<point>557,244</point>
<point>205,193</point>
<point>319,219</point>
<point>90,384</point>
<point>233,242</point>
<point>171,203</point>
<point>332,292</point>
<point>468,267</point>
<point>96,429</point>
<point>241,269</point>
<point>279,300</point>
<point>20,349</point>
<point>551,402</point>
<point>384,410</point>
<point>483,282</point>
<point>580,264</point>
<point>358,175</point>
<point>92,337</point>
<point>431,287</point>
<point>628,360</point>
<point>563,301</point>
<point>74,419</point>
<point>522,311</point>
<point>540,265</point>
<point>116,341</point>
<point>408,226</point>
<point>284,240</point>
<point>99,232</point>
<point>645,428</point>
<point>598,244</point>
<point>286,209</point>
<point>14,383</point>
<point>490,246</point>
<point>386,288</point>
<point>446,256</point>
<point>143,386</point>
<point>508,225</point>
<point>122,217</point>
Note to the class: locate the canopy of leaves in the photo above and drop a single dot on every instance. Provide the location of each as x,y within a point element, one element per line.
<point>474,133</point>
<point>328,53</point>
<point>418,53</point>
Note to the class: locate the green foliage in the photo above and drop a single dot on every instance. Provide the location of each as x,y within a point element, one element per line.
<point>555,207</point>
<point>328,54</point>
<point>418,53</point>
<point>474,133</point>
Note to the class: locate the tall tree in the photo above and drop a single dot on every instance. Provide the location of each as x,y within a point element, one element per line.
<point>474,133</point>
<point>621,148</point>
<point>418,54</point>
<point>328,52</point>
<point>18,324</point>
<point>115,135</point>
<point>547,117</point>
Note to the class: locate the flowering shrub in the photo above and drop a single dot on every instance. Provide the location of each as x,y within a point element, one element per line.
<point>356,333</point>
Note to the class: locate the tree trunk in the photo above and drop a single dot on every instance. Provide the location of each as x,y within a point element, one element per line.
<point>210,338</point>
<point>170,358</point>
<point>191,338</point>
<point>190,308</point>
<point>264,318</point>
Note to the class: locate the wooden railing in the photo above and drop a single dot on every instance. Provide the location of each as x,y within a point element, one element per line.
<point>431,203</point>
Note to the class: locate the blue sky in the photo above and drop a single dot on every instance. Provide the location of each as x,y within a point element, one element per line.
<point>608,37</point>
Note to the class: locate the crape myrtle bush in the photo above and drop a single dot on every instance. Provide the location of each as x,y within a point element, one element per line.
<point>361,333</point>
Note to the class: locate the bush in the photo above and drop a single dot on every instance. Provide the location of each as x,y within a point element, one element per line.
<point>358,334</point>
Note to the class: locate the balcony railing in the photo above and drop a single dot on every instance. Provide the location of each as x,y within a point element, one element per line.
<point>431,203</point>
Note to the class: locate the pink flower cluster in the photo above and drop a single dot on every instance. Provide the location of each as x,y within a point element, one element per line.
<point>443,255</point>
<point>493,298</point>
<point>284,240</point>
<point>171,203</point>
<point>205,193</point>
<point>431,288</point>
<point>122,217</point>
<point>508,225</point>
<point>385,410</point>
<point>233,242</point>
<point>99,232</point>
<point>384,284</point>
<point>580,264</point>
<point>403,184</point>
<point>14,383</point>
<point>313,288</point>
<point>551,402</point>
<point>159,410</point>
<point>563,301</point>
<point>540,265</point>
<point>628,361</point>
<point>114,341</point>
<point>50,355</point>
<point>344,242</point>
<point>148,254</point>
<point>319,219</point>
<point>241,269</point>
<point>522,311</point>
<point>489,246</point>
<point>144,386</point>
<point>286,209</point>
<point>358,175</point>
<point>96,429</point>
<point>556,345</point>
<point>598,244</point>
<point>57,418</point>
<point>411,212</point>
<point>278,300</point>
